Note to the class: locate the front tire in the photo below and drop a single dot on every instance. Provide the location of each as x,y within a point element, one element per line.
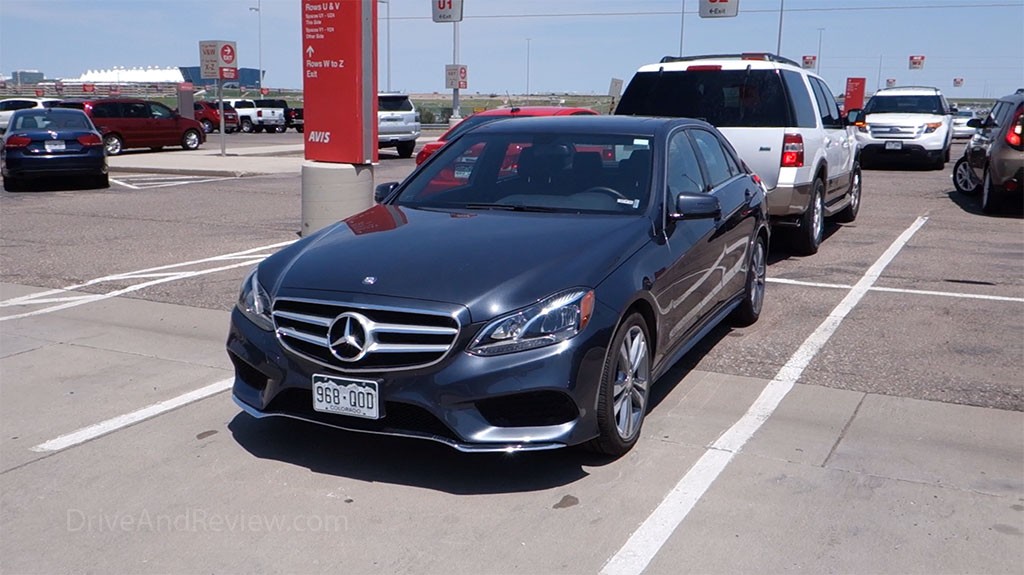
<point>850,212</point>
<point>190,140</point>
<point>246,125</point>
<point>207,126</point>
<point>625,388</point>
<point>964,179</point>
<point>114,144</point>
<point>812,224</point>
<point>753,296</point>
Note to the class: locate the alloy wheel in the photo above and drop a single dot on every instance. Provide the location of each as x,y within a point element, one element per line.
<point>632,380</point>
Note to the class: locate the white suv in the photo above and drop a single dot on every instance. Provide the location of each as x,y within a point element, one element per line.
<point>11,105</point>
<point>910,122</point>
<point>398,123</point>
<point>783,122</point>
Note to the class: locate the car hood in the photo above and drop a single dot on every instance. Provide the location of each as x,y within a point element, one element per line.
<point>490,262</point>
<point>904,119</point>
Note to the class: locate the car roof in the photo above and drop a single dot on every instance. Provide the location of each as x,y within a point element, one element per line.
<point>31,99</point>
<point>611,125</point>
<point>909,91</point>
<point>535,111</point>
<point>752,60</point>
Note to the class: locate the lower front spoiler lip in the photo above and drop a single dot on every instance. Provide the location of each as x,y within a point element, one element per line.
<point>463,447</point>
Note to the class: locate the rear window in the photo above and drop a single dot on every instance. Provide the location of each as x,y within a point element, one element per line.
<point>723,98</point>
<point>73,105</point>
<point>904,105</point>
<point>394,104</point>
<point>271,104</point>
<point>243,104</point>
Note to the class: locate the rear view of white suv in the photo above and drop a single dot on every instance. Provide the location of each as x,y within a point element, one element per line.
<point>398,123</point>
<point>905,123</point>
<point>783,121</point>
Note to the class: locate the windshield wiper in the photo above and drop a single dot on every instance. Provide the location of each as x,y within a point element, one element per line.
<point>509,207</point>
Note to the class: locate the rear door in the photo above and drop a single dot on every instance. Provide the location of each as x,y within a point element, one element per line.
<point>135,126</point>
<point>165,125</point>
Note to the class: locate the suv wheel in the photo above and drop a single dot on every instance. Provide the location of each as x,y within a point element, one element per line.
<point>190,140</point>
<point>113,144</point>
<point>812,223</point>
<point>207,126</point>
<point>246,125</point>
<point>849,213</point>
<point>405,149</point>
<point>625,387</point>
<point>964,179</point>
<point>989,195</point>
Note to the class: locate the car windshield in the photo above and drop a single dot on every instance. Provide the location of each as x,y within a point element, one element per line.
<point>394,104</point>
<point>540,172</point>
<point>965,113</point>
<point>904,105</point>
<point>51,119</point>
<point>723,98</point>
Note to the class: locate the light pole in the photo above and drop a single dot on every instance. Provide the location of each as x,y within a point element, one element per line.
<point>387,19</point>
<point>682,14</point>
<point>527,68</point>
<point>778,46</point>
<point>258,9</point>
<point>817,59</point>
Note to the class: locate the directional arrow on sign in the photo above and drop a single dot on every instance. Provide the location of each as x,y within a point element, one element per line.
<point>309,51</point>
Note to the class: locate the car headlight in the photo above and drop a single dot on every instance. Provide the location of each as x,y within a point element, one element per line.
<point>863,128</point>
<point>549,321</point>
<point>254,302</point>
<point>929,128</point>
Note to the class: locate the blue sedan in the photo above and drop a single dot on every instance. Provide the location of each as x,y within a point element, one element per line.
<point>52,143</point>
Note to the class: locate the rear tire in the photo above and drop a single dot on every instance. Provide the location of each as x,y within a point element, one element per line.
<point>405,149</point>
<point>101,182</point>
<point>753,296</point>
<point>624,388</point>
<point>280,129</point>
<point>812,224</point>
<point>114,144</point>
<point>298,129</point>
<point>964,179</point>
<point>13,185</point>
<point>850,212</point>
<point>257,129</point>
<point>991,201</point>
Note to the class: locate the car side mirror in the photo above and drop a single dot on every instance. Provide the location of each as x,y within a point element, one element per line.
<point>695,206</point>
<point>975,123</point>
<point>381,192</point>
<point>953,110</point>
<point>854,117</point>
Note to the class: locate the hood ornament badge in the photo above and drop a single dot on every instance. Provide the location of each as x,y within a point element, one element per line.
<point>369,280</point>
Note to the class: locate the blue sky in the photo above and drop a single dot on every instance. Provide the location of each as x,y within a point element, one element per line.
<point>581,51</point>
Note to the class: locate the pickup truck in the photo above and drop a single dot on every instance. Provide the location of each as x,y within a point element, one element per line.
<point>258,115</point>
<point>292,116</point>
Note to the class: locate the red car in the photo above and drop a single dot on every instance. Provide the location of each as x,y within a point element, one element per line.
<point>207,114</point>
<point>498,114</point>
<point>133,123</point>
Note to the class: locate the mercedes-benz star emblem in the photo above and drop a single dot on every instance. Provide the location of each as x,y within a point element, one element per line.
<point>349,336</point>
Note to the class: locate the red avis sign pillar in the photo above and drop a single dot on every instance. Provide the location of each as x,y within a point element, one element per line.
<point>339,64</point>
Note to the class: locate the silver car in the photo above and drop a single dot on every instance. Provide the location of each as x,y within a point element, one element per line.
<point>960,127</point>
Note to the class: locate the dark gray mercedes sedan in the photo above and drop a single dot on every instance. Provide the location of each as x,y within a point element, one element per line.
<point>521,290</point>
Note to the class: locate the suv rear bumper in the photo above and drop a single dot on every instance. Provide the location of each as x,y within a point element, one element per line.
<point>784,201</point>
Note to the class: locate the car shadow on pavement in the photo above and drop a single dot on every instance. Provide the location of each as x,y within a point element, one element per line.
<point>411,462</point>
<point>58,185</point>
<point>779,247</point>
<point>972,205</point>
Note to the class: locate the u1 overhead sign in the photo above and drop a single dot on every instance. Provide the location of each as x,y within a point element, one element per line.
<point>719,8</point>
<point>447,10</point>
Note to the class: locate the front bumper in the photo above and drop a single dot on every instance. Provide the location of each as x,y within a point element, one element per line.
<point>533,400</point>
<point>907,151</point>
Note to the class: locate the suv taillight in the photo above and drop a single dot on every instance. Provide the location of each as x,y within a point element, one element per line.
<point>17,142</point>
<point>259,113</point>
<point>1013,133</point>
<point>90,140</point>
<point>792,151</point>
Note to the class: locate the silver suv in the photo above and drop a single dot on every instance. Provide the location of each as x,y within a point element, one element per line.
<point>910,122</point>
<point>783,121</point>
<point>398,123</point>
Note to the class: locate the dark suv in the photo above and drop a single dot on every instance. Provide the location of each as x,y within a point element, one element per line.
<point>993,161</point>
<point>132,123</point>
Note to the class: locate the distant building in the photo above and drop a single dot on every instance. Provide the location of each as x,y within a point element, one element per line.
<point>27,77</point>
<point>246,77</point>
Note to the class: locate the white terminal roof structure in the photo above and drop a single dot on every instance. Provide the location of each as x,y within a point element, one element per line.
<point>150,75</point>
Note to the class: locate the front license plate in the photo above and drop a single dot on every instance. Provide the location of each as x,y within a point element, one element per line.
<point>54,145</point>
<point>893,145</point>
<point>343,396</point>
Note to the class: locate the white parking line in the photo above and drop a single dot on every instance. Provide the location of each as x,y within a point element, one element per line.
<point>243,258</point>
<point>652,534</point>
<point>125,184</point>
<point>121,421</point>
<point>898,290</point>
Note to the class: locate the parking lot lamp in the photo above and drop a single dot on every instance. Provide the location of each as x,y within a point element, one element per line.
<point>817,59</point>
<point>259,41</point>
<point>528,68</point>
<point>387,20</point>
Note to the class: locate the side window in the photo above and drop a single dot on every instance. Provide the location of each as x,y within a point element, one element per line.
<point>135,110</point>
<point>683,169</point>
<point>805,116</point>
<point>160,111</point>
<point>197,106</point>
<point>714,156</point>
<point>105,110</point>
<point>826,104</point>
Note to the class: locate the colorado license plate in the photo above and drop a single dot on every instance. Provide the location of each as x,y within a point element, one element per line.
<point>343,396</point>
<point>893,145</point>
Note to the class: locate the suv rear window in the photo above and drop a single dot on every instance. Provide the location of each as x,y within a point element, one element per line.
<point>394,104</point>
<point>271,104</point>
<point>723,98</point>
<point>904,105</point>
